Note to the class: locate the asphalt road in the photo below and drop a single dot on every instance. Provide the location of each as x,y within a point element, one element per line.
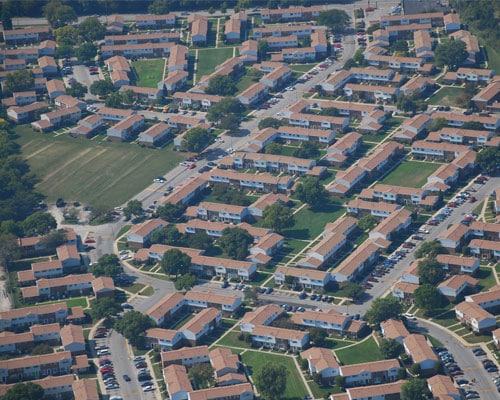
<point>470,364</point>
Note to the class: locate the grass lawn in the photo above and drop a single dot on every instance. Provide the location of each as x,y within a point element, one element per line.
<point>309,224</point>
<point>77,301</point>
<point>410,173</point>
<point>302,67</point>
<point>149,72</point>
<point>322,392</point>
<point>208,59</point>
<point>231,340</point>
<point>294,385</point>
<point>486,278</point>
<point>493,58</point>
<point>149,291</point>
<point>473,338</point>
<point>245,82</point>
<point>135,288</point>
<point>363,352</point>
<point>124,230</point>
<point>100,174</point>
<point>446,319</point>
<point>446,96</point>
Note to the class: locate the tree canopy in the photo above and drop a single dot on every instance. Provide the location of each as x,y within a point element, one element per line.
<point>77,90</point>
<point>353,290</point>
<point>175,262</point>
<point>270,122</point>
<point>428,249</point>
<point>104,308</point>
<point>38,224</point>
<point>451,53</point>
<point>277,217</point>
<point>202,375</point>
<point>270,381</point>
<point>221,85</point>
<point>367,223</point>
<point>169,235</point>
<point>18,81</point>
<point>86,52</point>
<point>234,242</point>
<point>59,14</point>
<point>227,106</point>
<point>133,209</point>
<point>383,309</point>
<point>24,391</point>
<point>312,192</point>
<point>133,325</point>
<point>430,271</point>
<point>307,150</point>
<point>9,249</point>
<point>196,139</point>
<point>170,212</point>
<point>390,348</point>
<point>337,20</point>
<point>185,282</point>
<point>107,265</point>
<point>489,159</point>
<point>91,29</point>
<point>415,389</point>
<point>274,148</point>
<point>427,297</point>
<point>102,87</point>
<point>317,336</point>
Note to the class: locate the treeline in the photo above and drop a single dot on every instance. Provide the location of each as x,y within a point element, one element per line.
<point>34,8</point>
<point>482,17</point>
<point>18,198</point>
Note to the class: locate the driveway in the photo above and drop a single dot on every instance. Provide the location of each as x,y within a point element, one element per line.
<point>470,364</point>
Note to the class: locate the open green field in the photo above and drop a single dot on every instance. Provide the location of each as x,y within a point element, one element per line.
<point>149,72</point>
<point>493,58</point>
<point>309,224</point>
<point>294,385</point>
<point>302,67</point>
<point>486,278</point>
<point>97,173</point>
<point>410,174</point>
<point>363,352</point>
<point>208,59</point>
<point>446,96</point>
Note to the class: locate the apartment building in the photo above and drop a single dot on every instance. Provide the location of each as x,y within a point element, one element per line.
<point>263,182</point>
<point>305,278</point>
<point>126,129</point>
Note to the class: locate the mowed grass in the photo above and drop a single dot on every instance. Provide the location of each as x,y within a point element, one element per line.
<point>410,174</point>
<point>208,59</point>
<point>295,388</point>
<point>446,96</point>
<point>308,223</point>
<point>363,352</point>
<point>302,67</point>
<point>100,174</point>
<point>149,72</point>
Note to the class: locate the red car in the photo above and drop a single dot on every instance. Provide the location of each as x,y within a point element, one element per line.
<point>106,370</point>
<point>369,9</point>
<point>89,241</point>
<point>104,360</point>
<point>192,166</point>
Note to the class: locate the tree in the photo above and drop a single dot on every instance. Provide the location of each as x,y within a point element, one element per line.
<point>451,53</point>
<point>67,35</point>
<point>169,235</point>
<point>489,159</point>
<point>160,7</point>
<point>133,208</point>
<point>307,150</point>
<point>201,375</point>
<point>222,85</point>
<point>133,325</point>
<point>274,148</point>
<point>170,212</point>
<point>53,239</point>
<point>196,139</point>
<point>65,51</point>
<point>312,192</point>
<point>406,103</point>
<point>185,282</point>
<point>91,29</point>
<point>390,348</point>
<point>200,240</point>
<point>39,223</point>
<point>317,336</point>
<point>104,308</point>
<point>251,295</point>
<point>340,381</point>
<point>277,217</point>
<point>383,309</point>
<point>107,265</point>
<point>234,242</point>
<point>367,223</point>
<point>86,52</point>
<point>230,122</point>
<point>24,391</point>
<point>18,81</point>
<point>430,271</point>
<point>128,96</point>
<point>102,87</point>
<point>9,249</point>
<point>227,106</point>
<point>175,262</point>
<point>427,297</point>
<point>7,12</point>
<point>114,100</point>
<point>262,49</point>
<point>329,111</point>
<point>438,124</point>
<point>415,389</point>
<point>59,14</point>
<point>428,249</point>
<point>77,90</point>
<point>270,381</point>
<point>353,290</point>
<point>400,46</point>
<point>337,20</point>
<point>415,369</point>
<point>270,122</point>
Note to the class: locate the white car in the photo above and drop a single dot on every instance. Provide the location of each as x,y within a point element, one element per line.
<point>409,316</point>
<point>421,230</point>
<point>148,389</point>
